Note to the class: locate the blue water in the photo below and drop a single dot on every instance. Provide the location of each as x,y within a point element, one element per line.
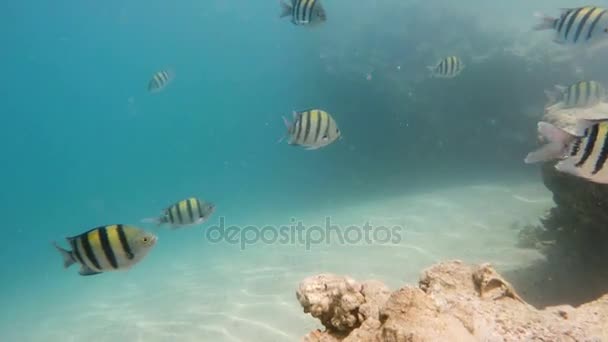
<point>84,144</point>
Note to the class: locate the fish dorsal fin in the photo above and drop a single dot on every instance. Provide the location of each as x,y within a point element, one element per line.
<point>564,11</point>
<point>306,110</point>
<point>561,88</point>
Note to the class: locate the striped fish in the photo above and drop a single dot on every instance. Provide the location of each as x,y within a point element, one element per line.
<point>312,129</point>
<point>303,12</point>
<point>582,25</point>
<point>160,80</point>
<point>447,68</point>
<point>107,248</point>
<point>583,154</point>
<point>190,211</point>
<point>582,94</point>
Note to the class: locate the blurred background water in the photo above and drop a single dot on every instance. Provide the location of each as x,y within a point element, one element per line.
<point>84,144</point>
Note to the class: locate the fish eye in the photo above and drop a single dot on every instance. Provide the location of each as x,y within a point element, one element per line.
<point>146,239</point>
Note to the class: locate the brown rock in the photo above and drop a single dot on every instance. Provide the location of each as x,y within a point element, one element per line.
<point>453,302</point>
<point>342,305</point>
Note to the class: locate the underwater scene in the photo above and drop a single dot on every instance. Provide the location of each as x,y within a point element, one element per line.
<point>317,170</point>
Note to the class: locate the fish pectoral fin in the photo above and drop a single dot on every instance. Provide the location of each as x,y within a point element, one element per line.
<point>87,271</point>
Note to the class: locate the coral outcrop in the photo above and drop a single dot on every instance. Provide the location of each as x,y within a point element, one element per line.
<point>574,233</point>
<point>577,229</point>
<point>452,302</point>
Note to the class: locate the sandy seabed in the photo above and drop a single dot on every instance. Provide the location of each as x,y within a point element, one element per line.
<point>227,294</point>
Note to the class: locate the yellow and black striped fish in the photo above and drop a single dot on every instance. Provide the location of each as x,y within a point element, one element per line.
<point>160,80</point>
<point>304,12</point>
<point>582,154</point>
<point>190,211</point>
<point>312,129</point>
<point>575,26</point>
<point>447,68</point>
<point>581,94</point>
<point>107,248</point>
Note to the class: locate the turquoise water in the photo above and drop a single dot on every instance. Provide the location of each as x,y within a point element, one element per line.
<point>84,144</point>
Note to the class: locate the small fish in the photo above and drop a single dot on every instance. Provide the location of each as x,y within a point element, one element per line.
<point>582,94</point>
<point>448,67</point>
<point>582,154</point>
<point>107,248</point>
<point>581,25</point>
<point>160,80</point>
<point>190,211</point>
<point>312,129</point>
<point>303,12</point>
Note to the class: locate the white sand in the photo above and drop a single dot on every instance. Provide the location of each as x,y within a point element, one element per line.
<point>219,293</point>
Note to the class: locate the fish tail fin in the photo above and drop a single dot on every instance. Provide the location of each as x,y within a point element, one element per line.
<point>287,123</point>
<point>431,69</point>
<point>555,149</point>
<point>152,220</point>
<point>171,73</point>
<point>286,9</point>
<point>546,22</point>
<point>68,259</point>
<point>552,96</point>
<point>288,127</point>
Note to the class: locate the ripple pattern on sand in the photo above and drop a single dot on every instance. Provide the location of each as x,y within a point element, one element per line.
<point>233,295</point>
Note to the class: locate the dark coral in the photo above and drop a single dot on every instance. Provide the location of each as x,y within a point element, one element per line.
<point>579,222</point>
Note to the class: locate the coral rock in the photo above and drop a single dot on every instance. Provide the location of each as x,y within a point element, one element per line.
<point>452,302</point>
<point>342,304</point>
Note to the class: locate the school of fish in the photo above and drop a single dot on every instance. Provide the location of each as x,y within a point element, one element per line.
<point>583,154</point>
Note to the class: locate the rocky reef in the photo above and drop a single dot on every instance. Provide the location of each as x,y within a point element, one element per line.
<point>579,221</point>
<point>574,233</point>
<point>452,302</point>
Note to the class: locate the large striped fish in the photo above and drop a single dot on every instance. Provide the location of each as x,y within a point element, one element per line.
<point>303,12</point>
<point>448,67</point>
<point>312,129</point>
<point>582,25</point>
<point>582,94</point>
<point>191,211</point>
<point>583,154</point>
<point>107,248</point>
<point>160,80</point>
